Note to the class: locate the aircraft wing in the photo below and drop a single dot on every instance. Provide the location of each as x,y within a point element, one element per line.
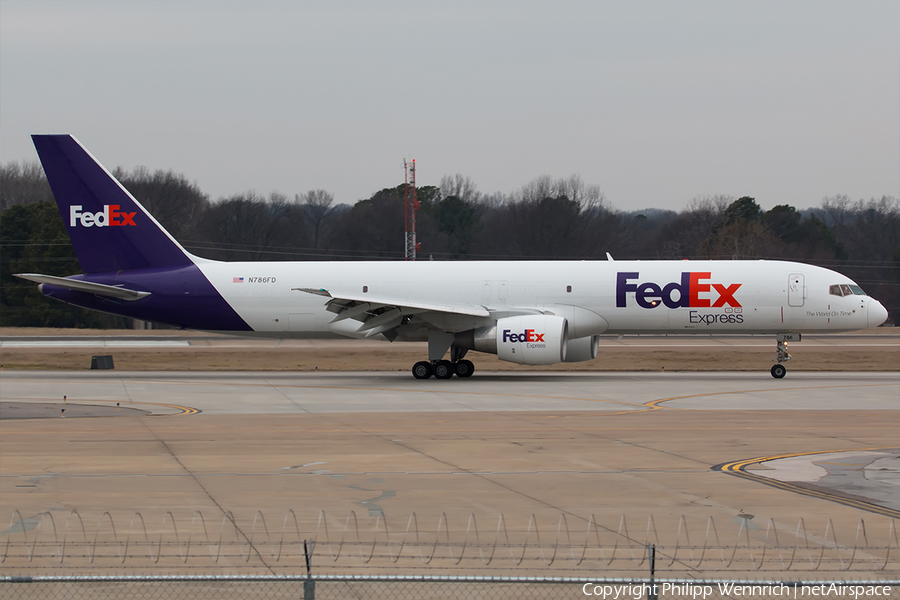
<point>78,285</point>
<point>381,314</point>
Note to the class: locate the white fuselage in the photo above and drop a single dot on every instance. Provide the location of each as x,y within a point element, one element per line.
<point>760,297</point>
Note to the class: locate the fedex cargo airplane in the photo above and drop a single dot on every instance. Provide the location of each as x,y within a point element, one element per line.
<point>526,312</point>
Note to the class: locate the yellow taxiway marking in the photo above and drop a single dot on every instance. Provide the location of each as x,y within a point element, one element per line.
<point>656,403</point>
<point>185,410</point>
<point>738,468</point>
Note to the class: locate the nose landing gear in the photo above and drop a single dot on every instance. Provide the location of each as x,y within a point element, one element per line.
<point>781,354</point>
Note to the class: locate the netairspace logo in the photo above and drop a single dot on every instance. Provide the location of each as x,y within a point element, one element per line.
<point>108,217</point>
<point>728,589</point>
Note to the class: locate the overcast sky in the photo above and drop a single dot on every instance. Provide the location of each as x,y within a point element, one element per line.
<point>656,102</point>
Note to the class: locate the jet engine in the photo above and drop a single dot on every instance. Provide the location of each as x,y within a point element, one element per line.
<point>583,349</point>
<point>526,339</point>
<point>532,339</point>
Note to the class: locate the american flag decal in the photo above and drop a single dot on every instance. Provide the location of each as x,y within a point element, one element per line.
<point>237,280</point>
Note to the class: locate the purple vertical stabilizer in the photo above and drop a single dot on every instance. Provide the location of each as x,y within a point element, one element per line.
<point>109,229</point>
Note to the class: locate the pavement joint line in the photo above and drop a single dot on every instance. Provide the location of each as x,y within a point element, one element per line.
<point>656,405</point>
<point>489,480</point>
<point>738,469</point>
<point>288,398</point>
<point>212,499</point>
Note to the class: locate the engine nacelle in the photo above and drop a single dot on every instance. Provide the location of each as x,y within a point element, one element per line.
<point>582,322</point>
<point>532,339</point>
<point>583,349</point>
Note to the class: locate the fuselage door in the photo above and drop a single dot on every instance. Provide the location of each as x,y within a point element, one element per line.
<point>503,290</point>
<point>796,289</point>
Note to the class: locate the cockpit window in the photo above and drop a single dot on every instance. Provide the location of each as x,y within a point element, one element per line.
<point>845,290</point>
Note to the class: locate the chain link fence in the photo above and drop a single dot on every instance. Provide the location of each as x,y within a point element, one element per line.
<point>70,543</point>
<point>426,587</point>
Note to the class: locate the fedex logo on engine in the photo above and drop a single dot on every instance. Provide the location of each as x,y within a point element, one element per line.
<point>693,291</point>
<point>108,217</point>
<point>527,336</point>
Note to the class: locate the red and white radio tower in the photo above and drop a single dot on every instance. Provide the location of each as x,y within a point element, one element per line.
<point>411,205</point>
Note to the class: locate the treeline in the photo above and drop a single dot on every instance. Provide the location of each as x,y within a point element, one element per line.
<point>551,219</point>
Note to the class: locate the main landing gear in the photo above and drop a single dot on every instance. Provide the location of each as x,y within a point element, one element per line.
<point>781,353</point>
<point>443,369</point>
<point>438,344</point>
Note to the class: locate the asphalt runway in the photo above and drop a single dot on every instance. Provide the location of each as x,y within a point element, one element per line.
<point>738,447</point>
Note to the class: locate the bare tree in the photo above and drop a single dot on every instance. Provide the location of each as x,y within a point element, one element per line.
<point>546,218</point>
<point>317,211</point>
<point>172,200</point>
<point>460,187</point>
<point>248,227</point>
<point>23,184</point>
<point>682,236</point>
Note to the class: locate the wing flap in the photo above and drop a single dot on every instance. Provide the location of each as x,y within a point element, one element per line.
<point>401,303</point>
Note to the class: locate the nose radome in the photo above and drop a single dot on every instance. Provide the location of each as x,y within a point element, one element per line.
<point>877,314</point>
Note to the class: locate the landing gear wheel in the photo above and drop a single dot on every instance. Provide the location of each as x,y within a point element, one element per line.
<point>464,368</point>
<point>778,371</point>
<point>422,370</point>
<point>443,369</point>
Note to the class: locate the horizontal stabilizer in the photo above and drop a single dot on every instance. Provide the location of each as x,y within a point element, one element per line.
<point>85,286</point>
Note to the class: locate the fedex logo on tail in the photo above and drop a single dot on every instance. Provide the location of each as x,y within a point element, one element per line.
<point>693,291</point>
<point>110,216</point>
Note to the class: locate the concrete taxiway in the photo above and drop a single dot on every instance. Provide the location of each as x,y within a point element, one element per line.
<point>738,447</point>
<point>301,393</point>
